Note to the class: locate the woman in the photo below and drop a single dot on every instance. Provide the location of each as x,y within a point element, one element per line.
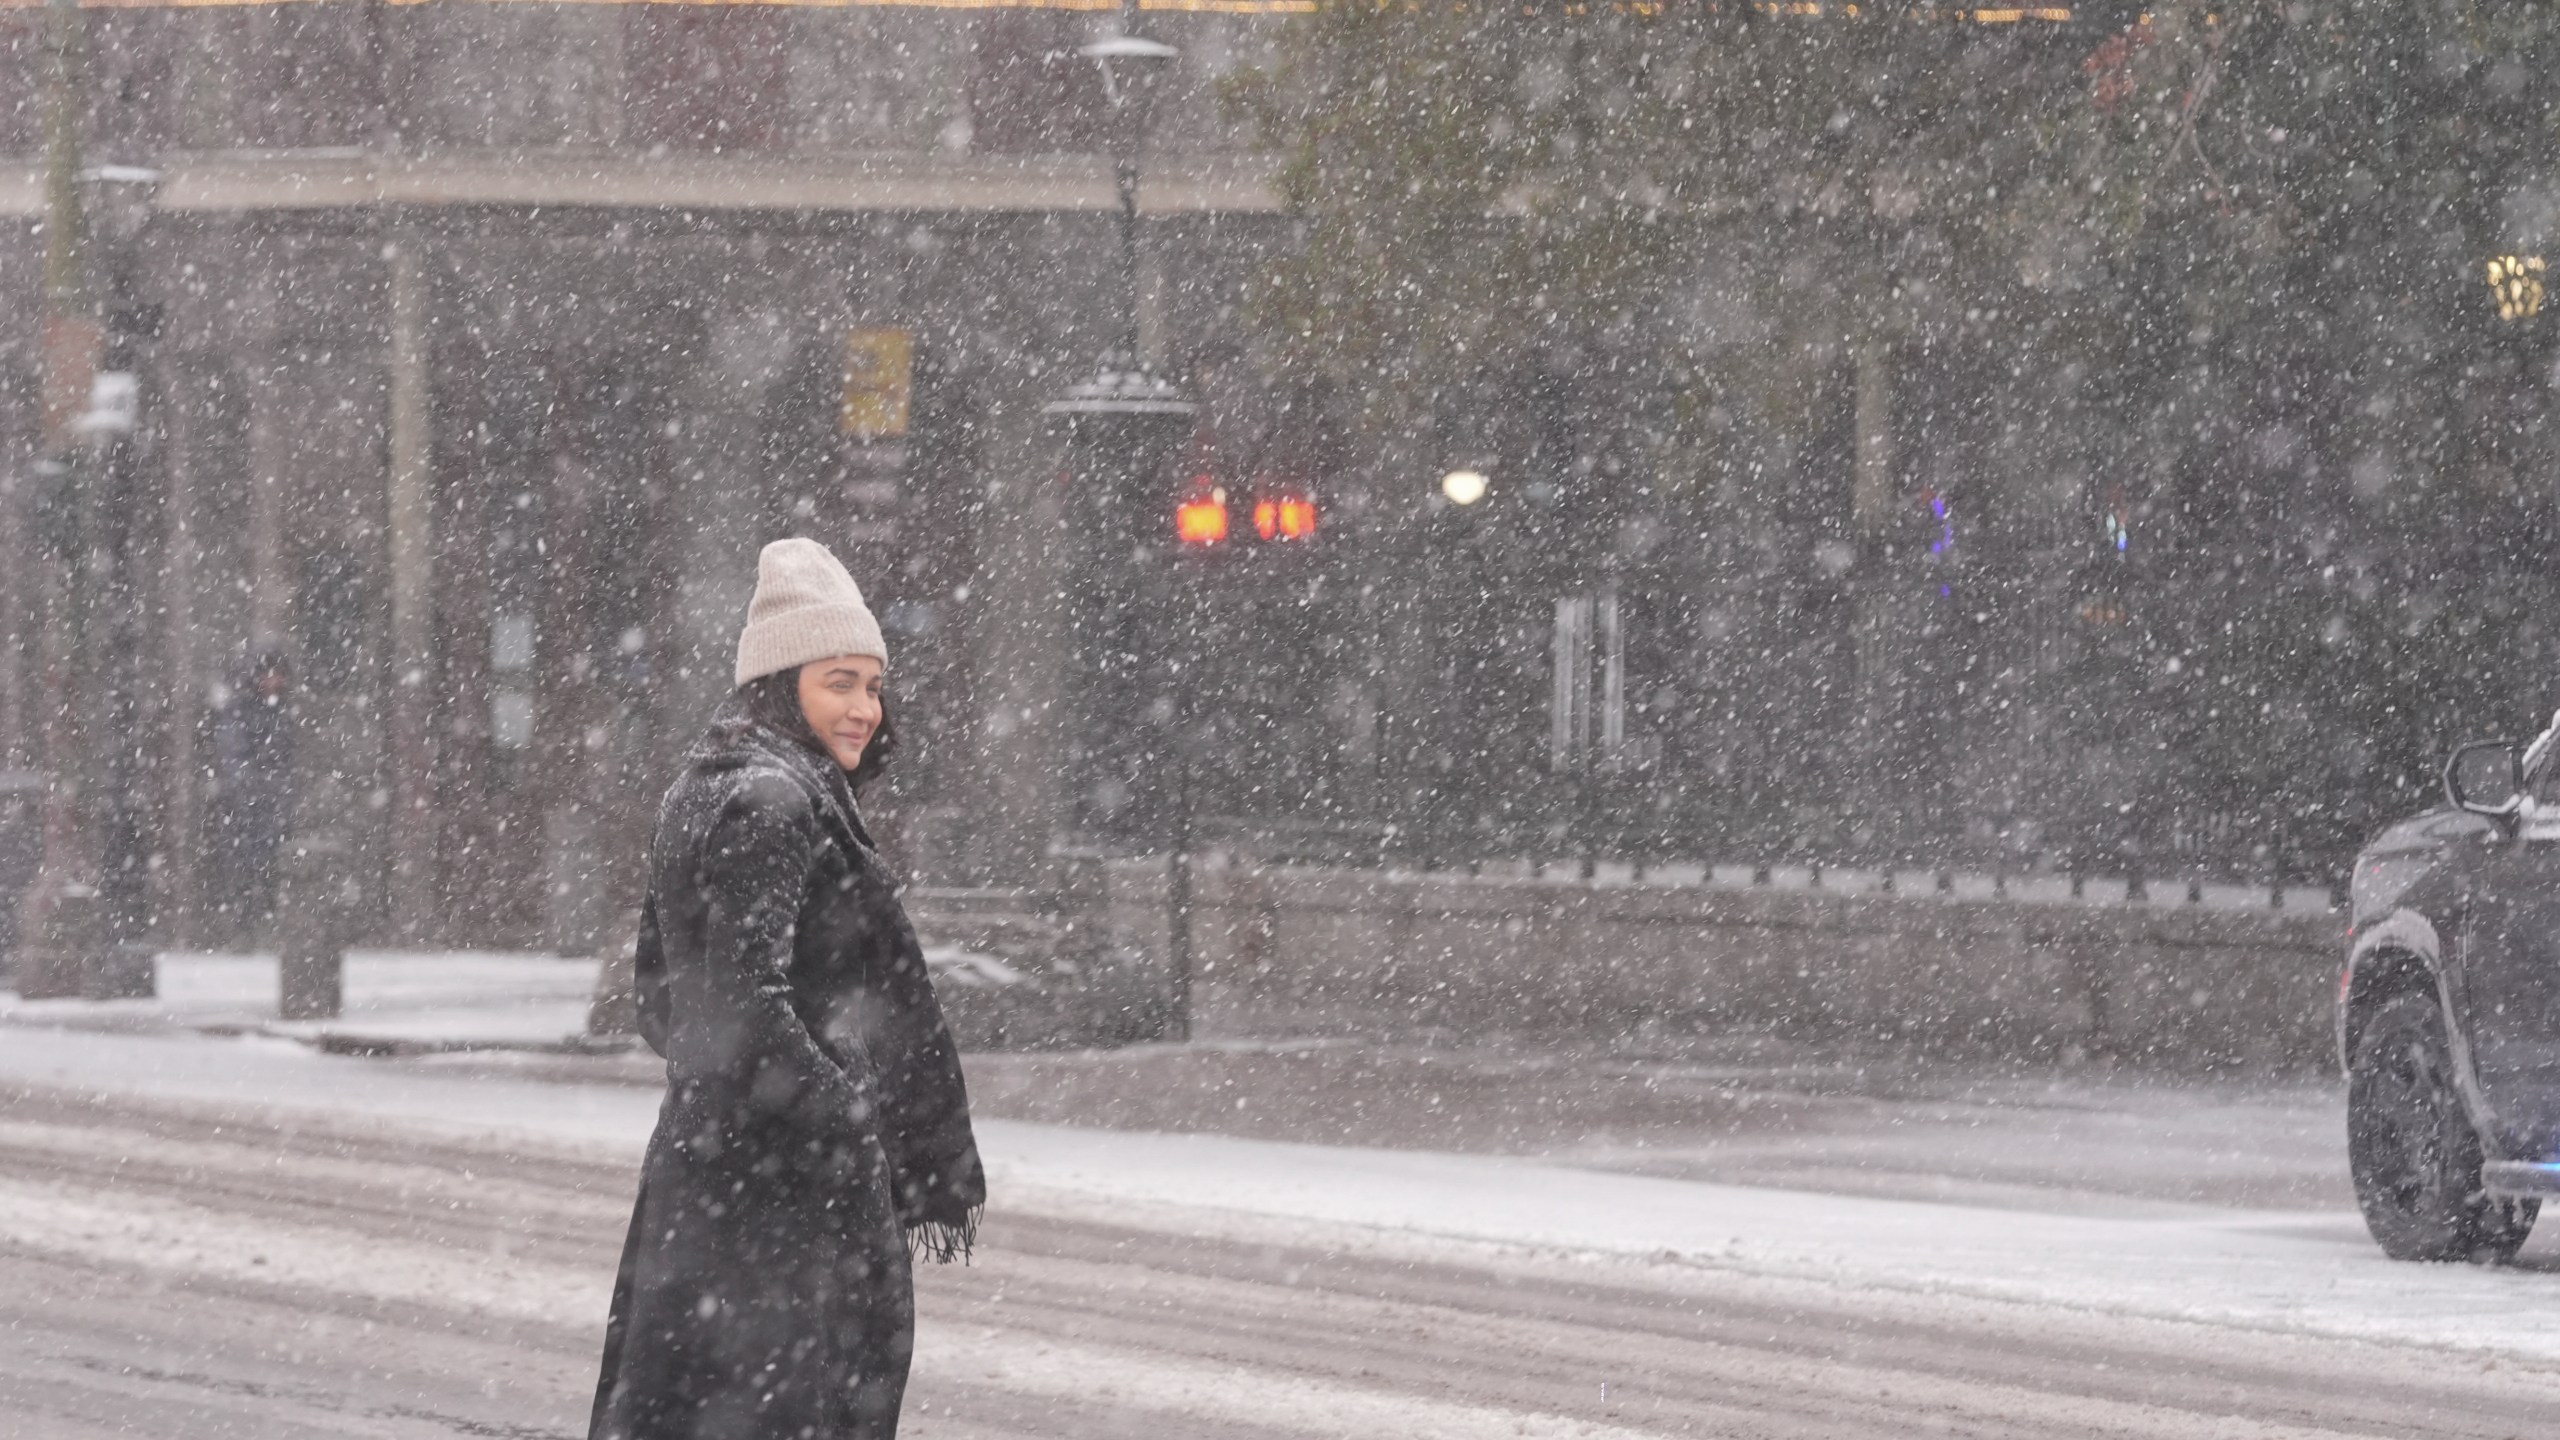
<point>815,1134</point>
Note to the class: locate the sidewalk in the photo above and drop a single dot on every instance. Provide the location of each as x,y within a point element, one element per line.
<point>397,1002</point>
<point>416,1002</point>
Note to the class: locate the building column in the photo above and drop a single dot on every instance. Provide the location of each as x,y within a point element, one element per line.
<point>271,450</point>
<point>1021,670</point>
<point>182,607</point>
<point>411,540</point>
<point>16,614</point>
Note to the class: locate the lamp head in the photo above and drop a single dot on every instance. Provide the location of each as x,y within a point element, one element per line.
<point>1130,65</point>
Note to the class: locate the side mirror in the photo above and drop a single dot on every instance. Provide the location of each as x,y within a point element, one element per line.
<point>2486,777</point>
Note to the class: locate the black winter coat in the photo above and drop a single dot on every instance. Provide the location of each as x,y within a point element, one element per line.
<point>815,1132</point>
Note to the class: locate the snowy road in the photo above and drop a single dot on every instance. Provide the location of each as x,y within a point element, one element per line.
<point>206,1239</point>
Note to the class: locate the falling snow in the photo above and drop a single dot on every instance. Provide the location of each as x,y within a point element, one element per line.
<point>1599,719</point>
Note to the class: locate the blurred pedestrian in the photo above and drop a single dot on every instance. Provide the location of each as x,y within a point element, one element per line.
<point>253,786</point>
<point>815,1136</point>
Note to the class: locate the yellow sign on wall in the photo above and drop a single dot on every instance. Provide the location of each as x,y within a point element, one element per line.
<point>879,371</point>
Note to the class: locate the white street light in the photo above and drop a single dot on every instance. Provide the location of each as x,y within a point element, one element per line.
<point>1464,487</point>
<point>1130,64</point>
<point>1132,67</point>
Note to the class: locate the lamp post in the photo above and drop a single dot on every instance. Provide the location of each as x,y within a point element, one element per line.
<point>81,920</point>
<point>1121,428</point>
<point>1119,431</point>
<point>1122,424</point>
<point>57,919</point>
<point>1118,434</point>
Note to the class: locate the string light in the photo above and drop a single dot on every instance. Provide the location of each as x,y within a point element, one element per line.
<point>2516,280</point>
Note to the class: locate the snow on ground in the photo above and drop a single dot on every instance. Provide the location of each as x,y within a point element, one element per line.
<point>267,1072</point>
<point>172,1238</point>
<point>430,997</point>
<point>2311,1272</point>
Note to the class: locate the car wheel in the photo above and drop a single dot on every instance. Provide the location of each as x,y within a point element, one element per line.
<point>2415,1157</point>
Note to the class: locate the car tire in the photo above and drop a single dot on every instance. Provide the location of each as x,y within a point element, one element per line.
<point>2413,1151</point>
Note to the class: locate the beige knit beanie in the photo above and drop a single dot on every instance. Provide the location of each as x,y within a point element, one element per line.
<point>806,608</point>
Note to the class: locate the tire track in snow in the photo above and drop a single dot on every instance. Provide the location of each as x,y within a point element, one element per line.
<point>179,1238</point>
<point>1232,1339</point>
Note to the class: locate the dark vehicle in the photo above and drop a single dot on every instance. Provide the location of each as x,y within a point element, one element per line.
<point>2449,1010</point>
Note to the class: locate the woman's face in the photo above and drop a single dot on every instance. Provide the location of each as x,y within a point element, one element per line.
<point>841,698</point>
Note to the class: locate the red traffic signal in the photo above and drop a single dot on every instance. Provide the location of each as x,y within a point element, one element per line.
<point>1285,517</point>
<point>1202,519</point>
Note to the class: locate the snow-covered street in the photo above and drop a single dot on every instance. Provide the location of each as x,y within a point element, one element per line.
<point>215,1237</point>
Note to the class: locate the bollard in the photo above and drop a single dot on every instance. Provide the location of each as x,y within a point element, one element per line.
<point>123,970</point>
<point>315,919</point>
<point>68,935</point>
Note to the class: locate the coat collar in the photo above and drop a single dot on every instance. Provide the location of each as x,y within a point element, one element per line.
<point>740,738</point>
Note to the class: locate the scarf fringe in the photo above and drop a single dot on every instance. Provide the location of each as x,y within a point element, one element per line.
<point>943,1242</point>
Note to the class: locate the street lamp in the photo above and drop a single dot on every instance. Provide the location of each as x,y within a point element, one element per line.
<point>122,201</point>
<point>1132,70</point>
<point>1122,423</point>
<point>82,920</point>
<point>1121,429</point>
